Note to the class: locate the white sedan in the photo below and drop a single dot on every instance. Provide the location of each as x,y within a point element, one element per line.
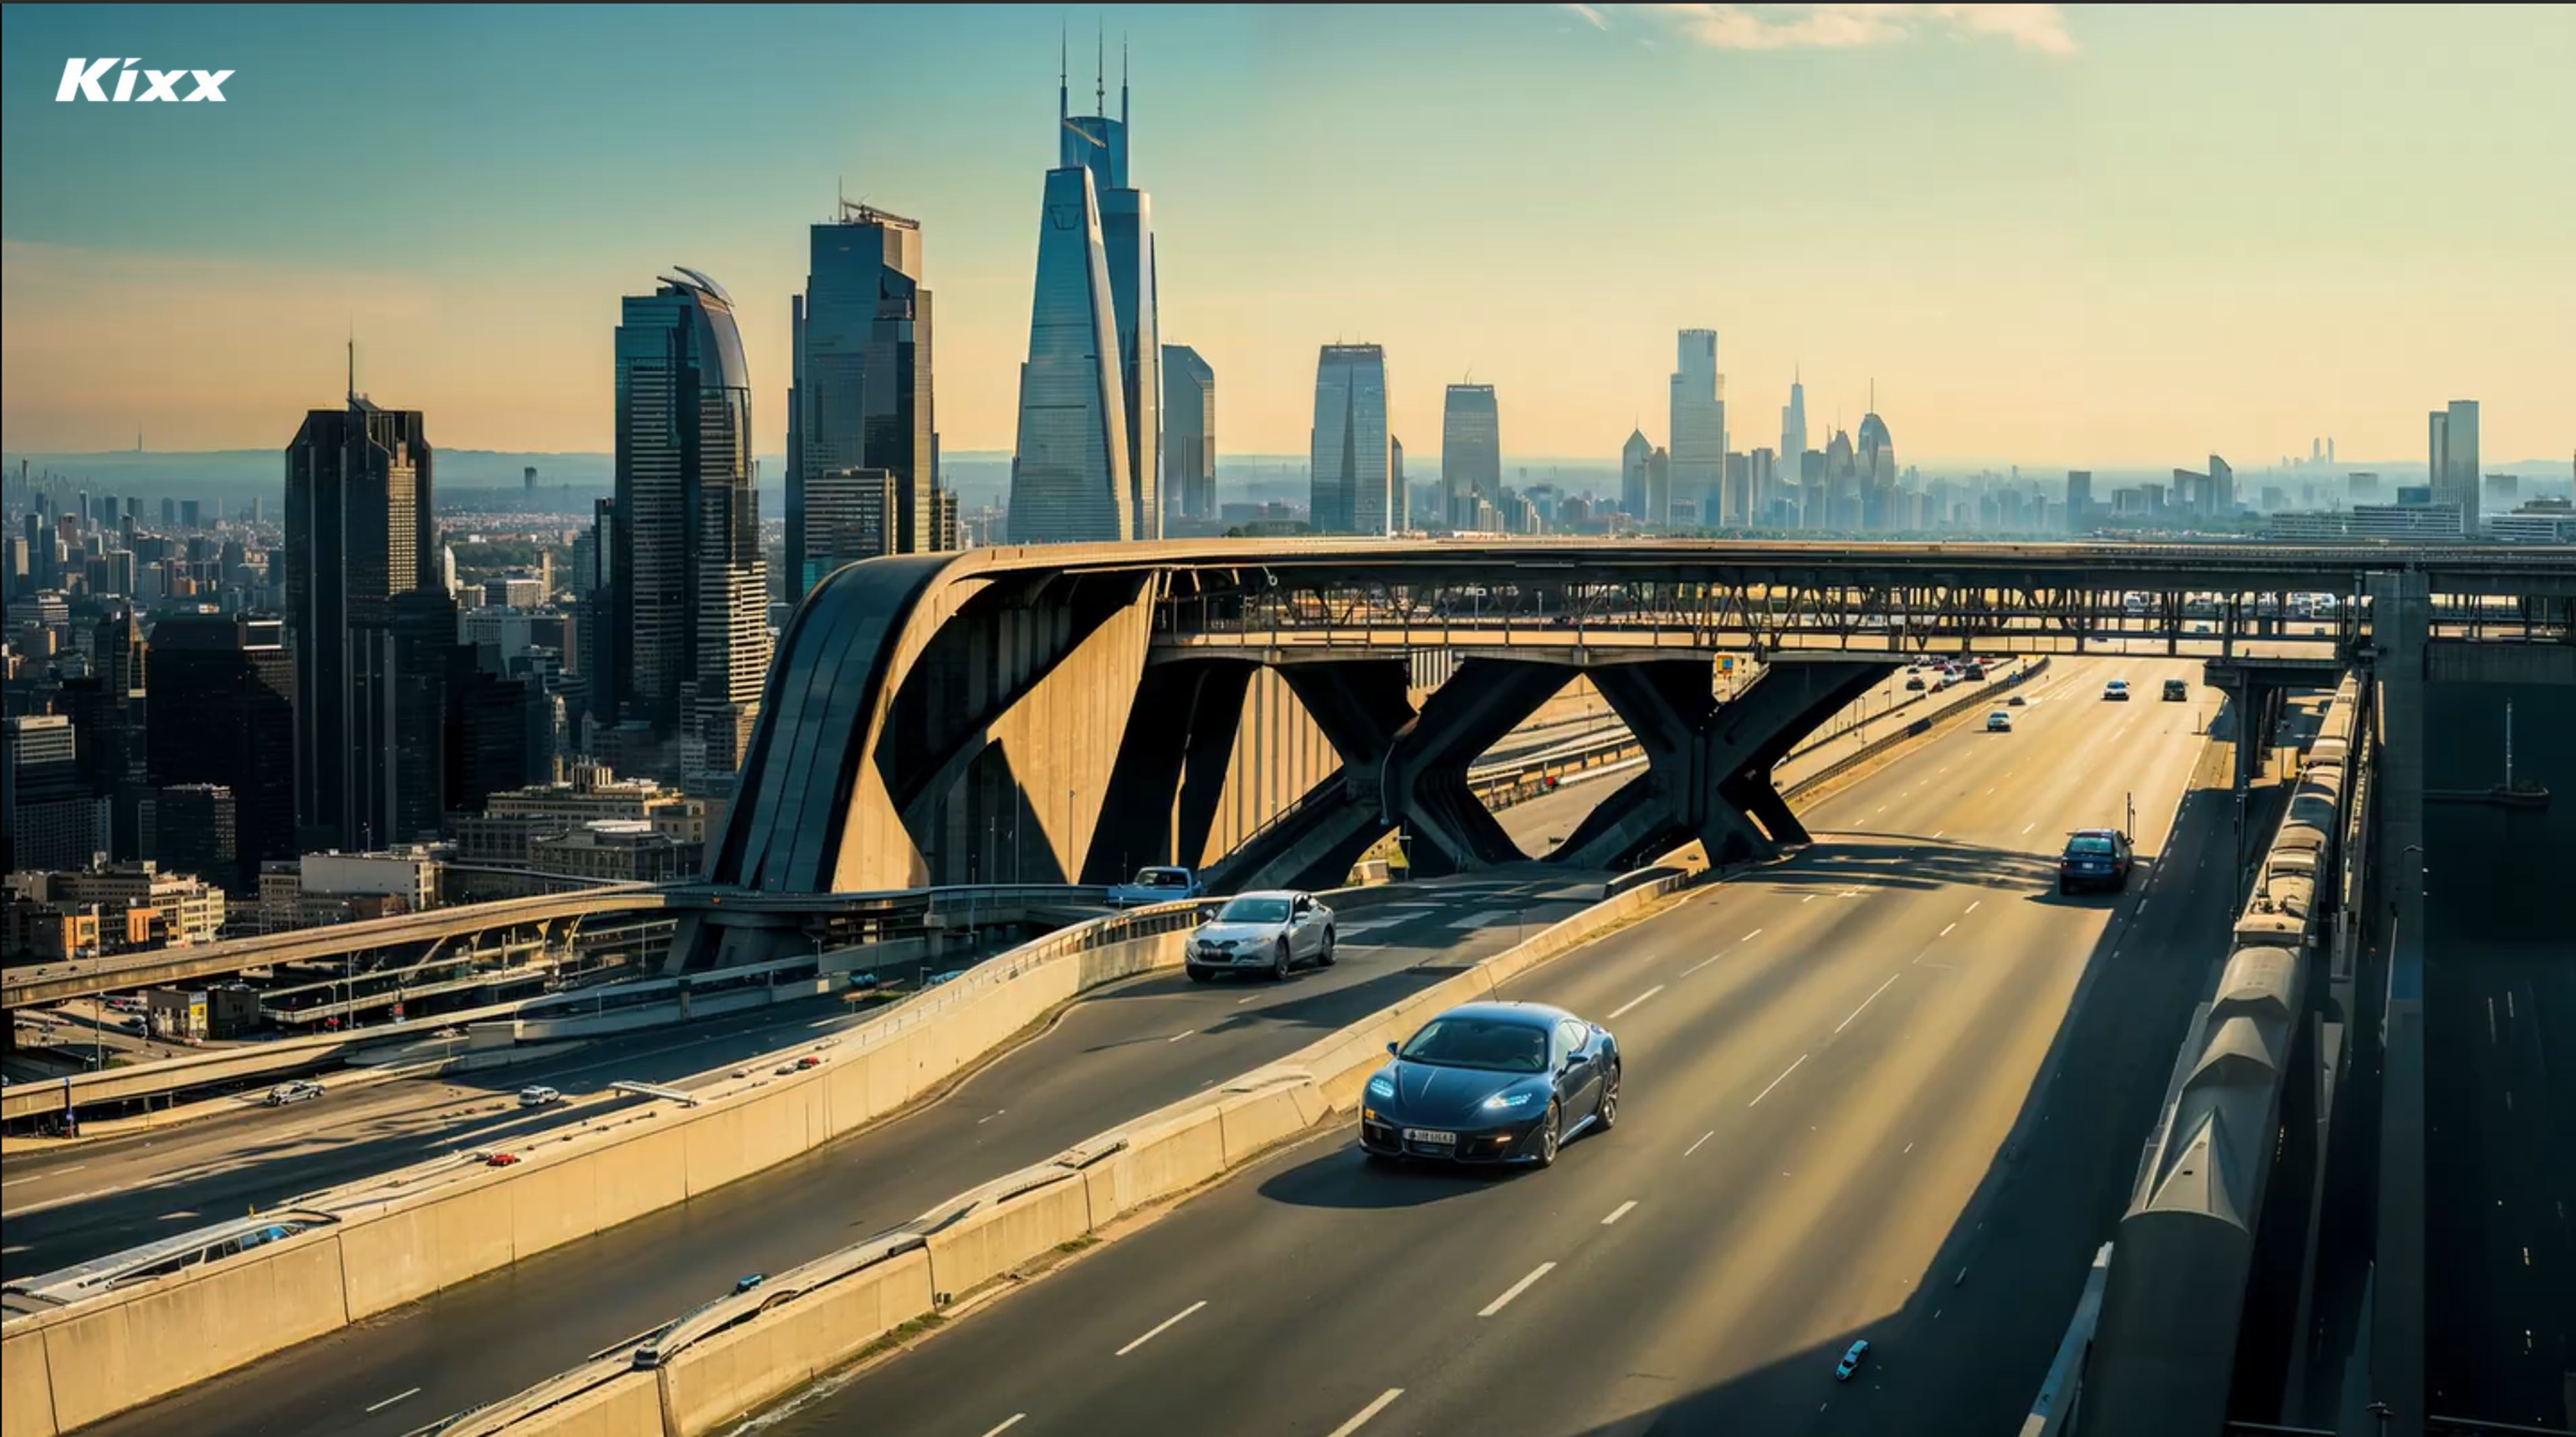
<point>1267,933</point>
<point>2000,721</point>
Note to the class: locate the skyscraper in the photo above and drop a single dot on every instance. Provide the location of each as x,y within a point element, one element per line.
<point>225,714</point>
<point>1189,433</point>
<point>1069,468</point>
<point>1793,421</point>
<point>359,530</point>
<point>1471,451</point>
<point>1698,429</point>
<point>1350,479</point>
<point>1096,313</point>
<point>48,820</point>
<point>1659,488</point>
<point>688,587</point>
<point>1875,460</point>
<point>2222,487</point>
<point>2452,459</point>
<point>1632,474</point>
<point>860,337</point>
<point>2079,499</point>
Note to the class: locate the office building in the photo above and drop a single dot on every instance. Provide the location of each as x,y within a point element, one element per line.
<point>851,514</point>
<point>224,715</point>
<point>1659,489</point>
<point>1087,463</point>
<point>860,341</point>
<point>2500,493</point>
<point>1874,463</point>
<point>1471,448</point>
<point>2222,488</point>
<point>1762,488</point>
<point>359,530</point>
<point>1697,431</point>
<point>688,587</point>
<point>196,829</point>
<point>1189,433</point>
<point>1350,479</point>
<point>1632,474</point>
<point>2079,499</point>
<point>48,818</point>
<point>1070,463</point>
<point>2452,458</point>
<point>1793,421</point>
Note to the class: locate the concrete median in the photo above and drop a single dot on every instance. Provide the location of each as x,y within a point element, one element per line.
<point>625,1406</point>
<point>26,1390</point>
<point>998,1237</point>
<point>746,1366</point>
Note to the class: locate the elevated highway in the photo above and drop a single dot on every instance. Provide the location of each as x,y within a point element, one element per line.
<point>1891,1087</point>
<point>1067,712</point>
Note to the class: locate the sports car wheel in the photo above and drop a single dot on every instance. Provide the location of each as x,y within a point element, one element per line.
<point>1607,1116</point>
<point>1550,1133</point>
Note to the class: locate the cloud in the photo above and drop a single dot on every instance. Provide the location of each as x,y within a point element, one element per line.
<point>1590,14</point>
<point>1785,27</point>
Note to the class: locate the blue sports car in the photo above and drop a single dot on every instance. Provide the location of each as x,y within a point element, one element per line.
<point>1492,1083</point>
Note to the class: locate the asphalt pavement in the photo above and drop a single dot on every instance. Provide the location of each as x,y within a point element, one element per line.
<point>1121,1052</point>
<point>1861,1099</point>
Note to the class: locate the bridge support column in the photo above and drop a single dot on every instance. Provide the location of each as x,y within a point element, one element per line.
<point>1425,787</point>
<point>1708,765</point>
<point>1170,772</point>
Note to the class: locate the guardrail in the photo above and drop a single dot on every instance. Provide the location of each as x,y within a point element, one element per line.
<point>736,1354</point>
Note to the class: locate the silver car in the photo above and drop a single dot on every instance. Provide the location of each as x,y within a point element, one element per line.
<point>1267,933</point>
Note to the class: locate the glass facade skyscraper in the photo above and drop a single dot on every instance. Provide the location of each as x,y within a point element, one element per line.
<point>1471,452</point>
<point>1189,433</point>
<point>861,398</point>
<point>1350,480</point>
<point>688,589</point>
<point>2451,465</point>
<point>1095,270</point>
<point>359,532</point>
<point>1698,426</point>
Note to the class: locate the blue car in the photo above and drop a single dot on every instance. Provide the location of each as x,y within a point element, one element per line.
<point>2094,858</point>
<point>1492,1083</point>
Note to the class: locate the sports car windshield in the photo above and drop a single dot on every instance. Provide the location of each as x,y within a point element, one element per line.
<point>1480,1043</point>
<point>1255,910</point>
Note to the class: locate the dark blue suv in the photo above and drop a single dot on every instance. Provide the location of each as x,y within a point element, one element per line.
<point>2094,858</point>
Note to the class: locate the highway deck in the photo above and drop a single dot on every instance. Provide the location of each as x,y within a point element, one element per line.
<point>1825,1060</point>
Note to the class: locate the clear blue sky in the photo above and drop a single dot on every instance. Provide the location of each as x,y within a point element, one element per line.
<point>2104,236</point>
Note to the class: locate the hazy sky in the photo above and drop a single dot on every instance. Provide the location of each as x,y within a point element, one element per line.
<point>2052,236</point>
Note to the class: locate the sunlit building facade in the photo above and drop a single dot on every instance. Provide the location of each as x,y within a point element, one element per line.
<point>1351,488</point>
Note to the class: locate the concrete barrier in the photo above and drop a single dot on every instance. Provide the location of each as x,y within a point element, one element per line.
<point>628,1405</point>
<point>26,1390</point>
<point>785,1347</point>
<point>994,1239</point>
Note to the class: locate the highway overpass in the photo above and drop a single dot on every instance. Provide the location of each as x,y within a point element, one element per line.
<point>1069,711</point>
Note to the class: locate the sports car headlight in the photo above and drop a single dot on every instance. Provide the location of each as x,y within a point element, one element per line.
<point>1501,1102</point>
<point>1381,1088</point>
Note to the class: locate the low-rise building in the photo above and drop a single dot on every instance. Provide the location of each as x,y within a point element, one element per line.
<point>625,850</point>
<point>139,906</point>
<point>335,887</point>
<point>511,824</point>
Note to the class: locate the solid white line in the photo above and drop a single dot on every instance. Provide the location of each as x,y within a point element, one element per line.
<point>390,1401</point>
<point>1619,1212</point>
<point>1704,1137</point>
<point>1633,1002</point>
<point>1371,1410</point>
<point>1161,1327</point>
<point>1517,1288</point>
<point>1865,1002</point>
<point>1775,1082</point>
<point>1945,930</point>
<point>1007,1424</point>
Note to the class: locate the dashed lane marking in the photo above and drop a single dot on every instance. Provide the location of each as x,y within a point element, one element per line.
<point>1775,1082</point>
<point>1618,1012</point>
<point>1159,1328</point>
<point>1516,1289</point>
<point>1356,1423</point>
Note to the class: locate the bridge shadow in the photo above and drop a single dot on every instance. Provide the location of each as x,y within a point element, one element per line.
<point>1862,858</point>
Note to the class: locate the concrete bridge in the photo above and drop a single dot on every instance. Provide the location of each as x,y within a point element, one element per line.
<point>1064,713</point>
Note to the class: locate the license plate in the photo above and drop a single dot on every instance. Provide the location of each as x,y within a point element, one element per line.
<point>1428,1135</point>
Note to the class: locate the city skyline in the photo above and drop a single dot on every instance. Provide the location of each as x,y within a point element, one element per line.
<point>2088,332</point>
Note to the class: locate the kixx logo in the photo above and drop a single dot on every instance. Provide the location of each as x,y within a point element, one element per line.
<point>81,82</point>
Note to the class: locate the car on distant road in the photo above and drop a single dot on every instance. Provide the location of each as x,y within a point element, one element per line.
<point>1492,1083</point>
<point>1975,673</point>
<point>539,1096</point>
<point>301,1090</point>
<point>2000,721</point>
<point>501,1160</point>
<point>748,1281</point>
<point>2094,858</point>
<point>1853,1357</point>
<point>2177,691</point>
<point>2017,701</point>
<point>1269,933</point>
<point>2116,691</point>
<point>808,1061</point>
<point>1914,684</point>
<point>1155,885</point>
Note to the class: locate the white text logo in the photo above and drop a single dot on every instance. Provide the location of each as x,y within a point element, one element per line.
<point>81,82</point>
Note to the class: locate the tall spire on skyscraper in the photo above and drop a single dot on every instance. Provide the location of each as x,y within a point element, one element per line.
<point>1063,75</point>
<point>1100,72</point>
<point>1122,81</point>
